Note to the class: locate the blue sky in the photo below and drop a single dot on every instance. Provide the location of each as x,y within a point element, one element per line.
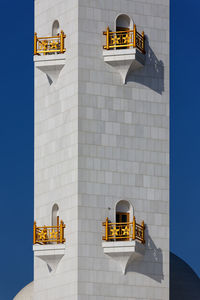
<point>16,136</point>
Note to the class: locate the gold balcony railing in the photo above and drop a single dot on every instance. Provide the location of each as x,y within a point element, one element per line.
<point>124,231</point>
<point>125,39</point>
<point>48,234</point>
<point>49,45</point>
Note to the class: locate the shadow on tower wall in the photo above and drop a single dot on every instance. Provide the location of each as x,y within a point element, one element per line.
<point>152,74</point>
<point>151,264</point>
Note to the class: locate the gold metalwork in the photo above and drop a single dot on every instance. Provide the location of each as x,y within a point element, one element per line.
<point>43,234</point>
<point>134,223</point>
<point>49,45</point>
<point>114,231</point>
<point>126,231</point>
<point>48,234</point>
<point>125,39</point>
<point>53,234</point>
<point>115,40</point>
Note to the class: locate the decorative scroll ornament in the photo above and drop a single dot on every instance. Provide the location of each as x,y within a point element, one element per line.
<point>126,230</point>
<point>54,234</point>
<point>43,45</point>
<point>115,40</point>
<point>54,45</point>
<point>127,39</point>
<point>42,234</point>
<point>114,231</point>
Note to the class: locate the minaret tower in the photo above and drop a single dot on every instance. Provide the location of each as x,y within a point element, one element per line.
<point>101,204</point>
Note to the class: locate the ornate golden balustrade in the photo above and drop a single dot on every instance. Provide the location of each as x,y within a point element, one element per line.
<point>124,231</point>
<point>49,45</point>
<point>125,39</point>
<point>48,234</point>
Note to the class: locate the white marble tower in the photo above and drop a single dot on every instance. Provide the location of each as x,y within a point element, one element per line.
<point>102,149</point>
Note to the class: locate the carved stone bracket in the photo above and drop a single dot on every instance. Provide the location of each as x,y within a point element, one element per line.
<point>124,252</point>
<point>51,65</point>
<point>51,254</point>
<point>124,61</point>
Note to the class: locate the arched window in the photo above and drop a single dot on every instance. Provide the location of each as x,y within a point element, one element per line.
<point>55,215</point>
<point>124,212</point>
<point>55,28</point>
<point>124,23</point>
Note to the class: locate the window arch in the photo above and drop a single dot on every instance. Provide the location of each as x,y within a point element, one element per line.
<point>123,212</point>
<point>55,28</point>
<point>55,215</point>
<point>123,23</point>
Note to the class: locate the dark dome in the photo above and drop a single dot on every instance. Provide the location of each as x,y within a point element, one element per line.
<point>184,282</point>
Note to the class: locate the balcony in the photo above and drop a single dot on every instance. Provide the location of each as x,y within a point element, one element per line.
<point>48,244</point>
<point>49,55</point>
<point>48,235</point>
<point>126,50</point>
<point>125,39</point>
<point>49,45</point>
<point>124,242</point>
<point>124,231</point>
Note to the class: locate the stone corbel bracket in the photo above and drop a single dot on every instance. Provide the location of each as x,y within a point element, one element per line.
<point>51,254</point>
<point>124,252</point>
<point>124,61</point>
<point>51,65</point>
